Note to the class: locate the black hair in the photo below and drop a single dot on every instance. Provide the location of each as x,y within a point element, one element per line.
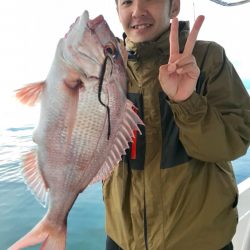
<point>116,1</point>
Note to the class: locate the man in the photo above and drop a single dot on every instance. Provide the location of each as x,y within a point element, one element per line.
<point>175,189</point>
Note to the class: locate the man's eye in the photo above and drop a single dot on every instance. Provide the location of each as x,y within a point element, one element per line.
<point>125,3</point>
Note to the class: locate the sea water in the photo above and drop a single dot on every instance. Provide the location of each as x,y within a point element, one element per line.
<point>20,211</point>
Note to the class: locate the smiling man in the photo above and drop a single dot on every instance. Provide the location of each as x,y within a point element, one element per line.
<point>175,188</point>
<point>145,24</point>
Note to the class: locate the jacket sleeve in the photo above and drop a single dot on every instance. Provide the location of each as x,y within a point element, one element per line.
<point>215,126</point>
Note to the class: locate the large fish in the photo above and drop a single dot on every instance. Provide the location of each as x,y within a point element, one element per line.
<point>86,123</point>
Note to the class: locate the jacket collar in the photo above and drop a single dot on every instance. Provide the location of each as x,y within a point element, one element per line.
<point>161,45</point>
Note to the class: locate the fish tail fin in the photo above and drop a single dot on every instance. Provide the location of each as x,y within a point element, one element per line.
<point>45,234</point>
<point>30,94</point>
<point>55,241</point>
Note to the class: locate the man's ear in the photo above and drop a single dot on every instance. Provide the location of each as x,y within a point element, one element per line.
<point>175,8</point>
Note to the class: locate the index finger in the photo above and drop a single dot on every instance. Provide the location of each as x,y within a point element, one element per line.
<point>174,38</point>
<point>189,46</point>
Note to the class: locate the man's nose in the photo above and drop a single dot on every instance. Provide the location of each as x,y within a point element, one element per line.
<point>140,9</point>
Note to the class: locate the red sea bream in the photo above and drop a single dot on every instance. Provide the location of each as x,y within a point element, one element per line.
<point>86,123</point>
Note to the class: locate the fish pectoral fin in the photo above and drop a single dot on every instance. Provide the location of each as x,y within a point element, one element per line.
<point>124,135</point>
<point>30,94</point>
<point>71,112</point>
<point>34,179</point>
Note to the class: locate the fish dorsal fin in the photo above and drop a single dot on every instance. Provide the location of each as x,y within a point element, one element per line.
<point>33,178</point>
<point>124,135</point>
<point>30,94</point>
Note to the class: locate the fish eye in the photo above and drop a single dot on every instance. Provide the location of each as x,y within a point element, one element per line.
<point>110,49</point>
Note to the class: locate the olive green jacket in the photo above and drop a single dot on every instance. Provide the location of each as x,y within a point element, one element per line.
<point>180,191</point>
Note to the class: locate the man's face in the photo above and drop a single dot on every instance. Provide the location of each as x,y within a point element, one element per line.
<point>145,20</point>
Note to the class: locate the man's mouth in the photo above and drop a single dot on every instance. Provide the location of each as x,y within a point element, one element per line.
<point>141,26</point>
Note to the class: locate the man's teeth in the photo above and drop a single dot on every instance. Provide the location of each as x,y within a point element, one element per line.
<point>141,26</point>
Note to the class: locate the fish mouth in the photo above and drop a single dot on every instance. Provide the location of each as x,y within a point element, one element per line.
<point>91,24</point>
<point>95,22</point>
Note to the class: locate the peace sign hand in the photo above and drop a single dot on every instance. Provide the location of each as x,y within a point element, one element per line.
<point>178,78</point>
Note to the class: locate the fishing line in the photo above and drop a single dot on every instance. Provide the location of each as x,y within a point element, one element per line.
<point>103,70</point>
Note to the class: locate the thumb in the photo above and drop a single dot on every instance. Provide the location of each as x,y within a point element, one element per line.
<point>165,70</point>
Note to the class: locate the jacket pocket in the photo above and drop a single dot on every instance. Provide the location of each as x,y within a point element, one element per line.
<point>228,180</point>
